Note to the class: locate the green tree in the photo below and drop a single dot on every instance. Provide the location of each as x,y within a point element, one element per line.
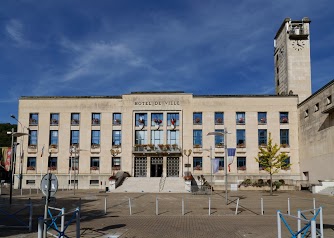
<point>272,160</point>
<point>6,140</point>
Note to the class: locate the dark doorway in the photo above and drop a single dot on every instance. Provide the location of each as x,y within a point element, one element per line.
<point>156,170</point>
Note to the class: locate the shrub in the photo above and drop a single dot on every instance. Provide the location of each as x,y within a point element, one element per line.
<point>268,182</point>
<point>246,182</point>
<point>277,184</point>
<point>282,181</point>
<point>260,183</point>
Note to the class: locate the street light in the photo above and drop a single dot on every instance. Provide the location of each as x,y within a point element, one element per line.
<point>21,150</point>
<point>187,153</point>
<point>217,133</point>
<point>13,134</point>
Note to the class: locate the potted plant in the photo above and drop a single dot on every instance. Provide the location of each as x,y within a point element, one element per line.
<point>219,120</point>
<point>197,120</point>
<point>117,121</point>
<point>30,168</point>
<point>284,120</point>
<point>241,120</point>
<point>263,120</point>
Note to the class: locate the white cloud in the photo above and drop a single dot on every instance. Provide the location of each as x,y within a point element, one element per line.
<point>14,29</point>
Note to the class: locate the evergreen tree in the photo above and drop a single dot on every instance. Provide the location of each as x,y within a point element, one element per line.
<point>6,140</point>
<point>272,160</point>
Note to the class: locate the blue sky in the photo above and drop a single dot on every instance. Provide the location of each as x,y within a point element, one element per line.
<point>114,47</point>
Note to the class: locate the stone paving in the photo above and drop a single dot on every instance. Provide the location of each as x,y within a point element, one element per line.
<point>196,221</point>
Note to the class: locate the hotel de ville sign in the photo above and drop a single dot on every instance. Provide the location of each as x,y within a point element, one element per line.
<point>157,103</point>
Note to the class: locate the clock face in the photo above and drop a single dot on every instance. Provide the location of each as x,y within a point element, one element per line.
<point>298,44</point>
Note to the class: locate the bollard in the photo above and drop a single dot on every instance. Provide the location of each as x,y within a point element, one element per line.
<point>130,206</point>
<point>321,224</point>
<point>105,206</point>
<point>262,212</point>
<point>30,215</point>
<point>279,230</point>
<point>30,191</point>
<point>77,223</point>
<point>156,206</point>
<point>40,227</point>
<point>36,190</point>
<point>299,223</point>
<point>209,206</point>
<point>314,205</point>
<point>182,206</point>
<point>289,206</point>
<point>236,208</point>
<point>313,229</point>
<point>62,225</point>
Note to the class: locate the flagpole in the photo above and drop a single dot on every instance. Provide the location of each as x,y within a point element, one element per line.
<point>225,162</point>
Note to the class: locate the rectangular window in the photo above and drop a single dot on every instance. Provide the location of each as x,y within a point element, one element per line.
<point>157,138</point>
<point>219,139</point>
<point>33,119</point>
<point>30,181</point>
<point>221,163</point>
<point>116,138</point>
<point>73,163</point>
<point>94,182</point>
<point>95,137</point>
<point>75,137</point>
<point>54,119</point>
<point>141,138</point>
<point>284,137</point>
<point>116,163</point>
<point>31,163</point>
<point>286,165</point>
<point>197,138</point>
<point>173,137</point>
<point>262,118</point>
<point>173,119</point>
<point>96,119</point>
<point>52,163</point>
<point>262,134</point>
<point>156,119</point>
<point>141,119</point>
<point>241,163</point>
<point>197,163</point>
<point>94,163</point>
<point>240,118</point>
<point>197,118</point>
<point>117,119</point>
<point>219,118</point>
<point>53,140</point>
<point>32,137</point>
<point>75,119</point>
<point>284,117</point>
<point>241,138</point>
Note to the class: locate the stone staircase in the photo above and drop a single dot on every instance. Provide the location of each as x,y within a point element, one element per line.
<point>151,185</point>
<point>327,191</point>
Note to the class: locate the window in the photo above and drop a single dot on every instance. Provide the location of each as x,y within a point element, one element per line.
<point>262,118</point>
<point>116,138</point>
<point>75,137</point>
<point>240,118</point>
<point>53,140</point>
<point>262,135</point>
<point>284,117</point>
<point>197,138</point>
<point>73,163</point>
<point>286,165</point>
<point>54,119</point>
<point>95,138</point>
<point>173,137</point>
<point>94,182</point>
<point>329,100</point>
<point>284,137</point>
<point>33,137</point>
<point>96,119</point>
<point>219,118</point>
<point>31,163</point>
<point>197,163</point>
<point>94,163</point>
<point>306,113</point>
<point>141,138</point>
<point>117,119</point>
<point>173,119</point>
<point>219,139</point>
<point>33,119</point>
<point>316,107</point>
<point>241,138</point>
<point>157,137</point>
<point>197,118</point>
<point>156,119</point>
<point>116,163</point>
<point>75,119</point>
<point>141,119</point>
<point>221,163</point>
<point>241,163</point>
<point>30,181</point>
<point>52,163</point>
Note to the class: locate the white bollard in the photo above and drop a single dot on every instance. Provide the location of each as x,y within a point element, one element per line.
<point>314,205</point>
<point>299,223</point>
<point>321,224</point>
<point>62,225</point>
<point>289,206</point>
<point>237,207</point>
<point>279,229</point>
<point>105,206</point>
<point>156,206</point>
<point>182,206</point>
<point>313,229</point>
<point>130,206</point>
<point>77,223</point>
<point>262,212</point>
<point>40,227</point>
<point>209,206</point>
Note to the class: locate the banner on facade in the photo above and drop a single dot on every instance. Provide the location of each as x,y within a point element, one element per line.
<point>215,165</point>
<point>230,158</point>
<point>6,153</point>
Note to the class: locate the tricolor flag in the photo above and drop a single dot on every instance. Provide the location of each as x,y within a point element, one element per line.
<point>42,151</point>
<point>215,165</point>
<point>230,157</point>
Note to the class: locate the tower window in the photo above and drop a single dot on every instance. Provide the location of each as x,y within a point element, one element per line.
<point>316,107</point>
<point>329,100</point>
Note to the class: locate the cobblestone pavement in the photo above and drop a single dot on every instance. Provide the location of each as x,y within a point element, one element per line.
<point>196,221</point>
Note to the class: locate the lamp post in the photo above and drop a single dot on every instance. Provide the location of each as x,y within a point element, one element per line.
<point>216,133</point>
<point>13,134</point>
<point>21,150</point>
<point>187,153</point>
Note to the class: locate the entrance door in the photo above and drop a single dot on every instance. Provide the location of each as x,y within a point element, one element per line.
<point>156,167</point>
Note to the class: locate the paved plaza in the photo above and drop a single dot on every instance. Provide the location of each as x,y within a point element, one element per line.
<point>108,214</point>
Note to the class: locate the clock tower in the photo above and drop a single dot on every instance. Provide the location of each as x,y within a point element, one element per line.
<point>292,58</point>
